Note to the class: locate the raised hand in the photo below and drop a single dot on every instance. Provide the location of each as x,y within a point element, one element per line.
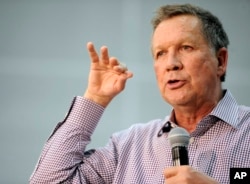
<point>107,76</point>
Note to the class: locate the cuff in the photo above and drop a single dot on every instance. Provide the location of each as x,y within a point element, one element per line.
<point>83,113</point>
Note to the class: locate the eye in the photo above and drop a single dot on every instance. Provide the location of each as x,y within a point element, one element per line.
<point>160,53</point>
<point>186,48</point>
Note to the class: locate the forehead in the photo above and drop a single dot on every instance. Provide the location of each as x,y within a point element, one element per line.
<point>186,22</point>
<point>178,27</point>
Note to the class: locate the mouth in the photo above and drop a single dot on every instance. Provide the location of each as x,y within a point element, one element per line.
<point>173,81</point>
<point>175,84</point>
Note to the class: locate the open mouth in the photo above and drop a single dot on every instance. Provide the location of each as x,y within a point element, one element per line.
<point>173,81</point>
<point>174,84</point>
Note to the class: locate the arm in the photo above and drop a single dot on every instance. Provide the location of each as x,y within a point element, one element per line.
<point>62,154</point>
<point>62,158</point>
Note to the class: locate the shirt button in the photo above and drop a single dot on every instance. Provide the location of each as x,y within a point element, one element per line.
<point>191,140</point>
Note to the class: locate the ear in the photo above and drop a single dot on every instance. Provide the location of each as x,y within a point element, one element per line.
<point>222,56</point>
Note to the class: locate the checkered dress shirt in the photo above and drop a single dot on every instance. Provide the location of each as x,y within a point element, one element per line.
<point>140,154</point>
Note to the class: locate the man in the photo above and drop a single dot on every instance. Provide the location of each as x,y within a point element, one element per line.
<point>189,48</point>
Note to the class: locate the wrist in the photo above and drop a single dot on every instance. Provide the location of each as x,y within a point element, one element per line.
<point>101,100</point>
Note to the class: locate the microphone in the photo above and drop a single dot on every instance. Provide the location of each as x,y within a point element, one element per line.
<point>179,140</point>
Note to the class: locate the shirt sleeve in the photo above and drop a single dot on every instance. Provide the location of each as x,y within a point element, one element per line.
<point>62,157</point>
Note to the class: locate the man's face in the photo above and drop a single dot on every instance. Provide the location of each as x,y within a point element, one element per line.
<point>187,68</point>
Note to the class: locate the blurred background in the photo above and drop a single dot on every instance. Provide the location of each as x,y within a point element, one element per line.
<point>44,64</point>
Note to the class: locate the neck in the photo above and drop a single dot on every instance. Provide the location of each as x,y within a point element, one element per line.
<point>188,117</point>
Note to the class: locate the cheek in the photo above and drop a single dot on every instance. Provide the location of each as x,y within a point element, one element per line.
<point>159,73</point>
<point>202,76</point>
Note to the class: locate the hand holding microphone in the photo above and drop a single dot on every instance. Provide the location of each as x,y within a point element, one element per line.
<point>185,174</point>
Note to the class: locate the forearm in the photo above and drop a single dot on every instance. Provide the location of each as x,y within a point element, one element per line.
<point>64,150</point>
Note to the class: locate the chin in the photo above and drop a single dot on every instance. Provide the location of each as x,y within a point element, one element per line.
<point>176,100</point>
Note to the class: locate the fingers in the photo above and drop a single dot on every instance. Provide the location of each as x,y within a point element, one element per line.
<point>123,66</point>
<point>104,55</point>
<point>170,172</point>
<point>92,52</point>
<point>186,174</point>
<point>117,66</point>
<point>177,174</point>
<point>104,59</point>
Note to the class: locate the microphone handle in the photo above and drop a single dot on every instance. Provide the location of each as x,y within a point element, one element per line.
<point>180,156</point>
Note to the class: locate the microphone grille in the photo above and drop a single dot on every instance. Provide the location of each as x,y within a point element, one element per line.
<point>178,137</point>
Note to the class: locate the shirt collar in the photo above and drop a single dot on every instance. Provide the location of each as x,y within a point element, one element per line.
<point>227,109</point>
<point>168,124</point>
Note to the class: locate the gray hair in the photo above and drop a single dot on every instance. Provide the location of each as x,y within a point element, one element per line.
<point>211,26</point>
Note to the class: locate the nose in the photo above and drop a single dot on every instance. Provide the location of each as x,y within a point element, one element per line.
<point>173,62</point>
